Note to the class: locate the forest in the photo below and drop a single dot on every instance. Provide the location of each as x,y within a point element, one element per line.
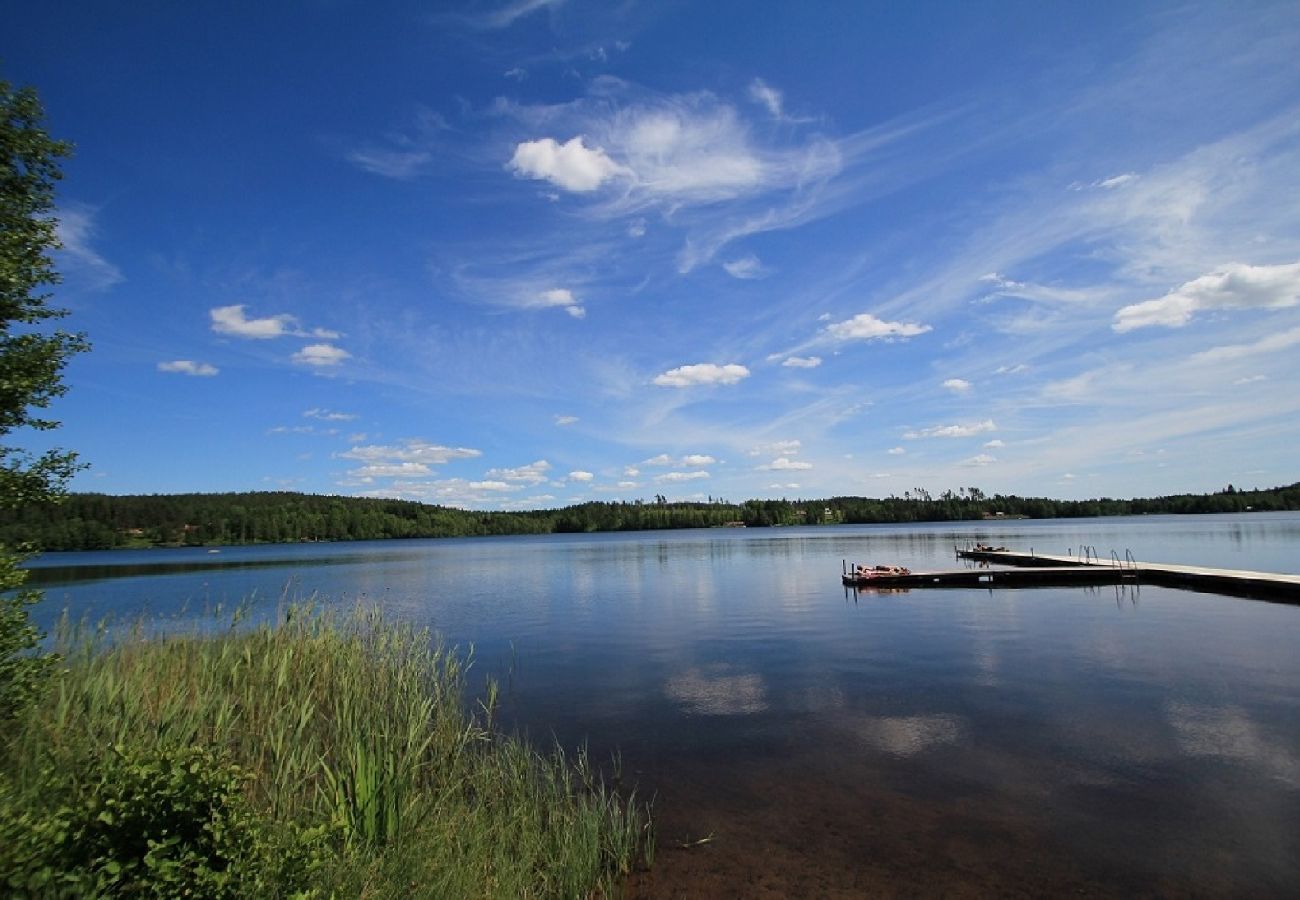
<point>102,521</point>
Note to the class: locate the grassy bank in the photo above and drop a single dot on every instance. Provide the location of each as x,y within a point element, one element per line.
<point>324,756</point>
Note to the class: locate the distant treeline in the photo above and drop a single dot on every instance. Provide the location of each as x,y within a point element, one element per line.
<point>102,521</point>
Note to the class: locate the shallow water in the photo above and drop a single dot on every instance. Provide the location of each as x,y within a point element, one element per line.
<point>1109,740</point>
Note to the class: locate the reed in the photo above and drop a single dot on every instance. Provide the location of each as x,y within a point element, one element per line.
<point>351,732</point>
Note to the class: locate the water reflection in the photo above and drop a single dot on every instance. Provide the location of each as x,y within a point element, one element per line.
<point>910,735</point>
<point>717,690</point>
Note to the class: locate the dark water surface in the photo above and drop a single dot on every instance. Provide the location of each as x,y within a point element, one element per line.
<point>961,741</point>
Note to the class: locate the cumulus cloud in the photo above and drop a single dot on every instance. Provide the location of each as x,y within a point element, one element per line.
<point>533,473</point>
<point>499,486</point>
<point>866,327</point>
<point>321,355</point>
<point>1235,286</point>
<point>785,464</point>
<point>580,475</point>
<point>676,477</point>
<point>996,442</point>
<point>802,362</point>
<point>745,268</point>
<point>390,470</point>
<point>188,367</point>
<point>572,165</point>
<point>413,450</point>
<point>957,385</point>
<point>698,459</point>
<point>232,321</point>
<point>702,373</point>
<point>953,431</point>
<point>982,459</point>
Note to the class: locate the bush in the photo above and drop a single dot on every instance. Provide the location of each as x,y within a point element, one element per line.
<point>159,823</point>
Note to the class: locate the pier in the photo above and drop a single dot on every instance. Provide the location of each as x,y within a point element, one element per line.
<point>1048,570</point>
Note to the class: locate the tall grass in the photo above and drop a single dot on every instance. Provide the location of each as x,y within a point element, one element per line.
<point>354,730</point>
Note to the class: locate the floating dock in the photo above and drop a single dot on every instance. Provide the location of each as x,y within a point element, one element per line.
<point>1266,585</point>
<point>1046,570</point>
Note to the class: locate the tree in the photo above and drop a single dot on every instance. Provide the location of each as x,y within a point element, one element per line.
<point>31,361</point>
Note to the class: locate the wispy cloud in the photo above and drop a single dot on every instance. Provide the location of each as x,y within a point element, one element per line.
<point>328,415</point>
<point>81,262</point>
<point>802,362</point>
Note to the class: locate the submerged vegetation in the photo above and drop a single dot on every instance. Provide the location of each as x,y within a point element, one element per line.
<point>102,521</point>
<point>323,756</point>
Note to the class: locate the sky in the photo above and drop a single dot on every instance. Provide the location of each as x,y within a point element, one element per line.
<point>516,254</point>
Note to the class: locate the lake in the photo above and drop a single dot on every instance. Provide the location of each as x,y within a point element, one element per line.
<point>1110,740</point>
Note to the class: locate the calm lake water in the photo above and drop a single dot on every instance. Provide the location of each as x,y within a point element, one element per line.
<point>1107,740</point>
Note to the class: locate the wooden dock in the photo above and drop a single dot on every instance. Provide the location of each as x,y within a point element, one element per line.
<point>1264,585</point>
<point>1040,576</point>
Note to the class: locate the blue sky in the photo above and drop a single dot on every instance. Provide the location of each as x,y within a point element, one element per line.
<point>524,254</point>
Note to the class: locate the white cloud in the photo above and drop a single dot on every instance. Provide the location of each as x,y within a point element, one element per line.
<point>580,475</point>
<point>400,164</point>
<point>533,473</point>
<point>866,327</point>
<point>1016,369</point>
<point>802,362</point>
<point>1282,340</point>
<point>957,385</point>
<point>895,451</point>
<point>995,443</point>
<point>769,97</point>
<point>636,228</point>
<point>498,486</point>
<point>745,268</point>
<point>509,13</point>
<point>631,471</point>
<point>232,321</point>
<point>785,464</point>
<point>561,421</point>
<point>321,355</point>
<point>1250,379</point>
<point>676,477</point>
<point>698,459</point>
<point>327,415</point>
<point>1115,181</point>
<point>572,165</point>
<point>663,459</point>
<point>410,451</point>
<point>517,73</point>
<point>562,298</point>
<point>75,230</point>
<point>1235,286</point>
<point>953,431</point>
<point>391,470</point>
<point>982,459</point>
<point>778,448</point>
<point>701,373</point>
<point>188,367</point>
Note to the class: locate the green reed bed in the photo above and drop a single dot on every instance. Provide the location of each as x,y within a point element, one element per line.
<point>329,755</point>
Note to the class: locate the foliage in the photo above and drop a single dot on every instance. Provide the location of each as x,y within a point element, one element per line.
<point>30,365</point>
<point>336,756</point>
<point>100,521</point>
<point>162,823</point>
<point>31,362</point>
